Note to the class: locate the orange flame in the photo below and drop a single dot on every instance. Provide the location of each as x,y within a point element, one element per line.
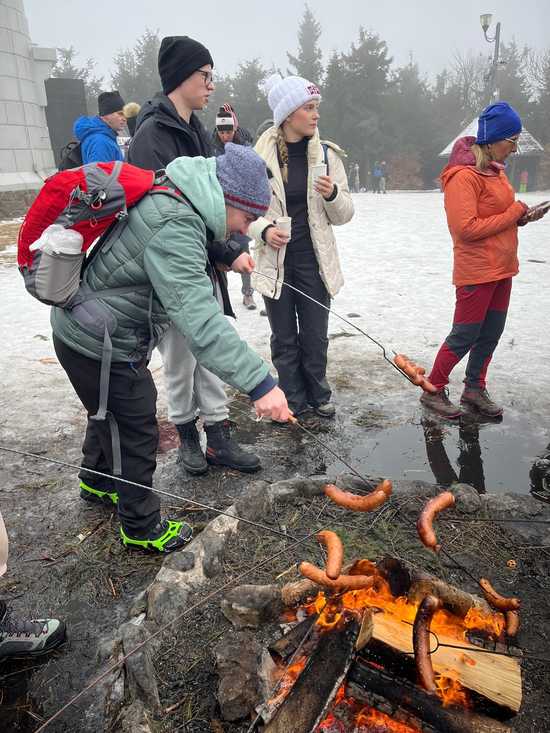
<point>451,692</point>
<point>370,719</point>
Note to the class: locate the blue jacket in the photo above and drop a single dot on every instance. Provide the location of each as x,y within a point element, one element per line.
<point>97,140</point>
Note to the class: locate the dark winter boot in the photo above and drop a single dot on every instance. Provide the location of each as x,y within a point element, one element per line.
<point>190,452</point>
<point>167,536</point>
<point>222,450</point>
<point>480,400</point>
<point>21,638</point>
<point>440,403</point>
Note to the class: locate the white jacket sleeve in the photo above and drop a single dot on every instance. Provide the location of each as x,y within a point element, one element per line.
<point>340,210</point>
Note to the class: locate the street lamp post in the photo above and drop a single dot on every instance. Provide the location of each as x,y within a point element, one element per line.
<point>485,21</point>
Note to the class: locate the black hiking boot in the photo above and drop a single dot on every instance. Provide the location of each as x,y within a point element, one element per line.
<point>21,638</point>
<point>480,400</point>
<point>166,537</point>
<point>222,450</point>
<point>190,452</point>
<point>440,403</point>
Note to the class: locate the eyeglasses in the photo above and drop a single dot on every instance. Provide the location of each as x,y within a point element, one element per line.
<point>513,140</point>
<point>208,77</point>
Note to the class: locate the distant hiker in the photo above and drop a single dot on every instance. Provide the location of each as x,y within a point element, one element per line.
<point>98,134</point>
<point>315,200</point>
<point>131,111</point>
<point>20,637</point>
<point>384,176</point>
<point>149,277</point>
<point>483,218</point>
<point>228,130</point>
<point>376,177</point>
<point>168,127</point>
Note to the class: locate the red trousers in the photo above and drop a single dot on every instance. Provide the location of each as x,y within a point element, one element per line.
<point>478,323</point>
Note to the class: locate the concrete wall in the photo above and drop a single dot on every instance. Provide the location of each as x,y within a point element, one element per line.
<point>26,156</point>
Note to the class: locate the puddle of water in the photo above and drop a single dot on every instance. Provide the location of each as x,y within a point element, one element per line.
<point>493,457</point>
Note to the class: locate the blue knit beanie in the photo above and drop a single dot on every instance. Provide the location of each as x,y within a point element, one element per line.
<point>242,174</point>
<point>497,122</point>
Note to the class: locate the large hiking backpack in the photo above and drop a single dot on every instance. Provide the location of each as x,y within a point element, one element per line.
<point>88,200</point>
<point>70,156</point>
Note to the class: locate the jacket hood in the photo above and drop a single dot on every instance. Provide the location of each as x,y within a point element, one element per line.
<point>163,110</point>
<point>462,157</point>
<point>85,126</point>
<point>196,179</point>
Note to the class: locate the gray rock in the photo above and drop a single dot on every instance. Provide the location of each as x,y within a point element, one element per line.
<point>256,502</point>
<point>249,606</point>
<point>214,548</point>
<point>140,672</point>
<point>135,719</point>
<point>182,561</point>
<point>139,605</point>
<point>467,498</point>
<point>238,658</point>
<point>298,488</point>
<point>165,601</point>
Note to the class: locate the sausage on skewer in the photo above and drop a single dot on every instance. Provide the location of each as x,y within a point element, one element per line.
<point>427,516</point>
<point>343,582</point>
<point>421,641</point>
<point>335,553</point>
<point>494,599</point>
<point>366,503</point>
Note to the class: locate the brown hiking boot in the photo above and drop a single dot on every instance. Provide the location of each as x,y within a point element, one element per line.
<point>479,398</point>
<point>440,403</point>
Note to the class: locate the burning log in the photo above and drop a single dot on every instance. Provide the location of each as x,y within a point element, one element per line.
<point>419,703</point>
<point>313,692</point>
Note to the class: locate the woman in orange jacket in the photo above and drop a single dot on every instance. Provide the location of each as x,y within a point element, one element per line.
<point>483,218</point>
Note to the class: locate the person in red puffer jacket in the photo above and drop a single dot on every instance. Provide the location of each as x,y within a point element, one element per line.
<point>483,218</point>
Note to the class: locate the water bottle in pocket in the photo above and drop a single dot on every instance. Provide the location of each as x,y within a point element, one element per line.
<point>54,276</point>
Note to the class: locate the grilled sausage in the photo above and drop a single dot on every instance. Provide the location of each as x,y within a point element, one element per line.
<point>428,386</point>
<point>427,516</point>
<point>366,503</point>
<point>512,623</point>
<point>400,360</point>
<point>344,582</point>
<point>494,599</point>
<point>335,553</point>
<point>421,641</point>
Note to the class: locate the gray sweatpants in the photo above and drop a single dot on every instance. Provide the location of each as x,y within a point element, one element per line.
<point>191,388</point>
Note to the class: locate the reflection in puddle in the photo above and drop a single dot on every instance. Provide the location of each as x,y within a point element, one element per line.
<point>494,457</point>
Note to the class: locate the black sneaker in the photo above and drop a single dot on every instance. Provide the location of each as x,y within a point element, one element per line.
<point>223,450</point>
<point>166,537</point>
<point>190,453</point>
<point>21,638</point>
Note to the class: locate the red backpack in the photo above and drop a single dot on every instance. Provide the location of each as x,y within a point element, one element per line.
<point>87,199</point>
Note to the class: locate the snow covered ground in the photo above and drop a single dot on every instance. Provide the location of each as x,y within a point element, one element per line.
<point>396,256</point>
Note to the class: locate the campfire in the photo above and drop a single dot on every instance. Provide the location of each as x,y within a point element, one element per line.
<point>383,647</point>
<point>352,667</point>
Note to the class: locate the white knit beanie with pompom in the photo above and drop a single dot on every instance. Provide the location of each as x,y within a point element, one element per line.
<point>285,96</point>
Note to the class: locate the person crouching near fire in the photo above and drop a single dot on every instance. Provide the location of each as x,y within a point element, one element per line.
<point>162,280</point>
<point>483,218</point>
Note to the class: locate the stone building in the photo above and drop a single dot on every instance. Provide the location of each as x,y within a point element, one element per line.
<point>26,157</point>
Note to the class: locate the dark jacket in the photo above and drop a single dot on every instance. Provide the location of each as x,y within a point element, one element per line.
<point>97,140</point>
<point>161,136</point>
<point>242,137</point>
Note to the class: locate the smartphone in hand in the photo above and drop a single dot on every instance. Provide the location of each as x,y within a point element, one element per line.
<point>540,208</point>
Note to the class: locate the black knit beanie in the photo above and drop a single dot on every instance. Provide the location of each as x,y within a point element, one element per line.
<point>179,57</point>
<point>109,102</point>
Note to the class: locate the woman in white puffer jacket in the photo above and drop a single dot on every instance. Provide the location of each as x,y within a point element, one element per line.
<point>309,259</point>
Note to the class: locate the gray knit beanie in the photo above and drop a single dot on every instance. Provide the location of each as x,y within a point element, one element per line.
<point>243,177</point>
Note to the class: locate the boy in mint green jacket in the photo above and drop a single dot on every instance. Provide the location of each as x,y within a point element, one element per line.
<point>150,274</point>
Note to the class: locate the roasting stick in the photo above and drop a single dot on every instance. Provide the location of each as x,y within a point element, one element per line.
<point>345,320</point>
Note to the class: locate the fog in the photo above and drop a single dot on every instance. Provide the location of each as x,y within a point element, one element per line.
<point>431,30</point>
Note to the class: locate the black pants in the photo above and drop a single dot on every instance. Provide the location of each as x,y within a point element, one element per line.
<point>299,328</point>
<point>132,402</point>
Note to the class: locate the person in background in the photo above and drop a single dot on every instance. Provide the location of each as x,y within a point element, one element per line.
<point>309,259</point>
<point>483,218</point>
<point>383,177</point>
<point>168,127</point>
<point>98,135</point>
<point>376,177</point>
<point>228,130</point>
<point>21,637</point>
<point>131,111</point>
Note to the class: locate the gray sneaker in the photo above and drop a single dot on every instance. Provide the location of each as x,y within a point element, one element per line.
<point>480,399</point>
<point>326,410</point>
<point>440,403</point>
<point>21,638</point>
